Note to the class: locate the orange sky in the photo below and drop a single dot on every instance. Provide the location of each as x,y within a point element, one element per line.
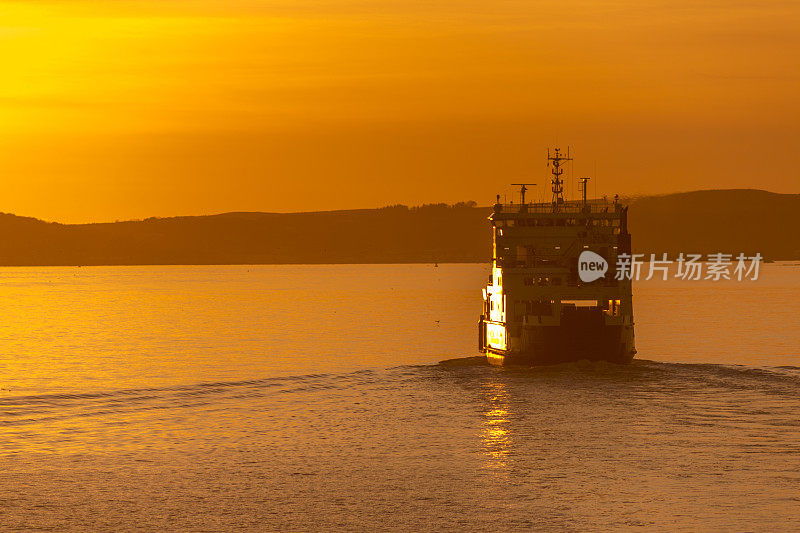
<point>128,109</point>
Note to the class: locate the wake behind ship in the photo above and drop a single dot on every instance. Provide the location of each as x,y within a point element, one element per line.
<point>538,307</point>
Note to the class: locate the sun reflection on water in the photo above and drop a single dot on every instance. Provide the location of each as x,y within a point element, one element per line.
<point>496,436</point>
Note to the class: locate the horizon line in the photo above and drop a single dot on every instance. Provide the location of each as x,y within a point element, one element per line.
<point>354,209</point>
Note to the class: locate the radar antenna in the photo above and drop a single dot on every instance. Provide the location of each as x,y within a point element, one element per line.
<point>558,183</point>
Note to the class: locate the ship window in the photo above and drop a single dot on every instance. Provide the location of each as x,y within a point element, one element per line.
<point>613,308</point>
<point>507,257</point>
<point>519,310</point>
<point>539,307</point>
<point>580,303</point>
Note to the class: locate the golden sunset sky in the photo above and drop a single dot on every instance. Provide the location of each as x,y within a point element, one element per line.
<point>128,109</point>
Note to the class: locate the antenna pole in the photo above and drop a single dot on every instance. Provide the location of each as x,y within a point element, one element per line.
<point>558,184</point>
<point>583,188</point>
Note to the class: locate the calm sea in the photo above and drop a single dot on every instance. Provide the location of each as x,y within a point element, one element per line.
<point>315,397</point>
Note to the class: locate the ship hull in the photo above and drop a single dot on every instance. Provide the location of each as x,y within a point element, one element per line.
<point>563,344</point>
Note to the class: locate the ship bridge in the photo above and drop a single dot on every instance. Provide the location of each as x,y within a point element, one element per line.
<point>541,237</point>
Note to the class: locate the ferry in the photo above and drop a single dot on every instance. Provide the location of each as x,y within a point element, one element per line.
<point>554,294</point>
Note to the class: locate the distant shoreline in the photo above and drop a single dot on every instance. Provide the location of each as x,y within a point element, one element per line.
<point>782,262</point>
<point>730,221</point>
<point>487,263</point>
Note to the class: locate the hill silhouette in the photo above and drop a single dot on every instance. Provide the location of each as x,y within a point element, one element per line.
<point>741,220</point>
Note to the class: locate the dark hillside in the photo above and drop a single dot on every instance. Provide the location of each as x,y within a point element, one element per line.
<point>736,220</point>
<point>695,222</point>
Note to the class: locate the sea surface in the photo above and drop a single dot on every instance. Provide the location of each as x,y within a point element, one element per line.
<point>350,397</point>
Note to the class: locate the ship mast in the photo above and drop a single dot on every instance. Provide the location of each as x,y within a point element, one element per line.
<point>558,183</point>
<point>584,183</point>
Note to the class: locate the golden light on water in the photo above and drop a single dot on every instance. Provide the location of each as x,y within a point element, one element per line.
<point>496,436</point>
<point>161,398</point>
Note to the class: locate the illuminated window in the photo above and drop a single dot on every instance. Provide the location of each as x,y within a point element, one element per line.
<point>580,303</point>
<point>613,308</point>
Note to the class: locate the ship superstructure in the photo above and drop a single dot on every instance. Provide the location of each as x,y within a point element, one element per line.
<point>538,308</point>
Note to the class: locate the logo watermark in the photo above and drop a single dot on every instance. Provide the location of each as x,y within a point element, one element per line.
<point>690,267</point>
<point>591,266</point>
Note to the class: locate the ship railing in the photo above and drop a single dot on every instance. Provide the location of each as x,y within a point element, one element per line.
<point>577,207</point>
